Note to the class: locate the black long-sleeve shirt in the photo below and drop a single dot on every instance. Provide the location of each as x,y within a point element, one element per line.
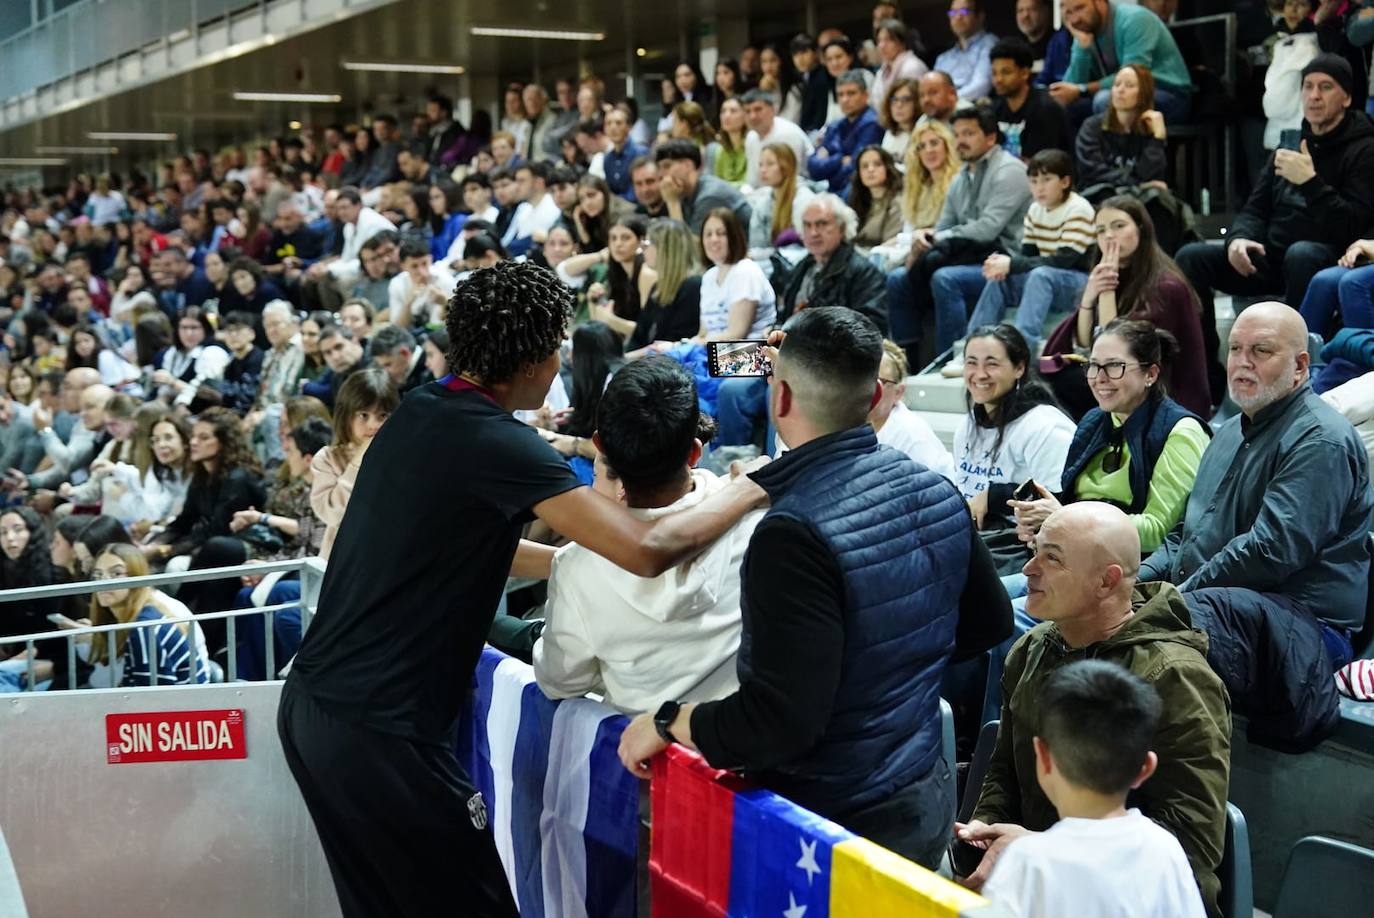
<point>796,594</point>
<point>209,508</point>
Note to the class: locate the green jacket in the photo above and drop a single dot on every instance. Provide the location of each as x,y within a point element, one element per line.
<point>1187,794</point>
<point>1137,37</point>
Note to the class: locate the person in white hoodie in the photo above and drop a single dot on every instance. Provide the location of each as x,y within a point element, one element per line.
<point>629,638</point>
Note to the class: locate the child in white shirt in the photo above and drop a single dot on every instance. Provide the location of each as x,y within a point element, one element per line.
<point>1100,859</point>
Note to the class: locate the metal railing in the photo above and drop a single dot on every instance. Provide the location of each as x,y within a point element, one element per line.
<point>311,572</point>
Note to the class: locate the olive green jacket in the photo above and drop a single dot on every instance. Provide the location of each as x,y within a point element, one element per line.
<point>1187,793</point>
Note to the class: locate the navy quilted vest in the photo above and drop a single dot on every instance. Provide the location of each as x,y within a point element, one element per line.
<point>901,534</point>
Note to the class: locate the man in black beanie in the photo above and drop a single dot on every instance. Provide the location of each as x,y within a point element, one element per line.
<point>1310,204</point>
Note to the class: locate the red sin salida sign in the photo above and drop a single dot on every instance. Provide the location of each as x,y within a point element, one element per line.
<point>174,736</point>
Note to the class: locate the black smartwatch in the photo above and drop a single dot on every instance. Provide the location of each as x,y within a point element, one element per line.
<point>663,720</point>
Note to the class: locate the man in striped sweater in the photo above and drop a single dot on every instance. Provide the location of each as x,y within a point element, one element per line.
<point>1051,268</point>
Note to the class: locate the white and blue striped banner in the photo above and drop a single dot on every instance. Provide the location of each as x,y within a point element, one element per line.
<point>564,812</point>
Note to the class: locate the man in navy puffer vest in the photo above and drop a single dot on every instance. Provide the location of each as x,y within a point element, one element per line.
<point>857,588</point>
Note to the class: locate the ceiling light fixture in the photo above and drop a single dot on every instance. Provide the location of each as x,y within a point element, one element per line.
<point>130,135</point>
<point>78,151</point>
<point>553,34</point>
<point>32,161</point>
<point>325,97</point>
<point>401,67</point>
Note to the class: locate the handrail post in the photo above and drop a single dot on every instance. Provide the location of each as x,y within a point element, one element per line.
<point>232,661</point>
<point>269,629</point>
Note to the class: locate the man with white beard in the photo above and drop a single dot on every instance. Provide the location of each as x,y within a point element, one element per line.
<point>1273,556</point>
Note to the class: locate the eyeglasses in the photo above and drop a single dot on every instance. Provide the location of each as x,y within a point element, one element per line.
<point>903,99</point>
<point>954,14</point>
<point>1113,370</point>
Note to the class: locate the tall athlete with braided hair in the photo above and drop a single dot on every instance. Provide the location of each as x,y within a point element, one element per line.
<point>417,570</point>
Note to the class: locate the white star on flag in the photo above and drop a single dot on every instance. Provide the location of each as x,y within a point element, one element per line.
<point>796,911</point>
<point>808,861</point>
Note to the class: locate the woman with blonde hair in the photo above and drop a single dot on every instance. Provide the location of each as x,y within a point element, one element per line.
<point>169,653</point>
<point>672,310</point>
<point>931,165</point>
<point>689,123</point>
<point>779,200</point>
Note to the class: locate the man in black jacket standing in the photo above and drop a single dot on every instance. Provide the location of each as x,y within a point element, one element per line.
<point>1309,205</point>
<point>858,586</point>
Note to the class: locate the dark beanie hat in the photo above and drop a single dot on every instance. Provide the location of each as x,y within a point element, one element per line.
<point>1334,66</point>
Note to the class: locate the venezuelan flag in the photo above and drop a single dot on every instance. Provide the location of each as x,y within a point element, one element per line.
<point>722,849</point>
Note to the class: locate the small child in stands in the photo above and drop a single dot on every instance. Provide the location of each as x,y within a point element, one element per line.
<point>1052,267</point>
<point>1092,749</point>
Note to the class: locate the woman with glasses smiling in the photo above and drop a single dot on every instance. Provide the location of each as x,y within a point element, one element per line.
<point>1138,449</point>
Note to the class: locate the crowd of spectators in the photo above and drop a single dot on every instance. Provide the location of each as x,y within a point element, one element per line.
<point>198,361</point>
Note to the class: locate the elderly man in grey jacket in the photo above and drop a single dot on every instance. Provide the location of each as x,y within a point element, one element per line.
<point>1273,554</point>
<point>983,213</point>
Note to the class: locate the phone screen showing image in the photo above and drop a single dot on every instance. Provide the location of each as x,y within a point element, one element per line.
<point>738,358</point>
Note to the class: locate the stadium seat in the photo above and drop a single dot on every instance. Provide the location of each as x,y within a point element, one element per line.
<point>1315,343</point>
<point>1237,881</point>
<point>1326,878</point>
<point>978,769</point>
<point>11,896</point>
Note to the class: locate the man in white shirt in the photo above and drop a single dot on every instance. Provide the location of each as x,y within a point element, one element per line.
<point>477,199</point>
<point>636,640</point>
<point>531,181</point>
<point>359,225</point>
<point>592,141</point>
<point>765,127</point>
<point>419,294</point>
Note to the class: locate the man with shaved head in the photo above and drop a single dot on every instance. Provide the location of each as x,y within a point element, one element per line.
<point>1082,584</point>
<point>1273,554</point>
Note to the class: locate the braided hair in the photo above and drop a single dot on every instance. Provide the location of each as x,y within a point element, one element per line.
<point>504,318</point>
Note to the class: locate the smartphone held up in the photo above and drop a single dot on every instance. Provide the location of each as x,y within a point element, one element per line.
<point>738,358</point>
